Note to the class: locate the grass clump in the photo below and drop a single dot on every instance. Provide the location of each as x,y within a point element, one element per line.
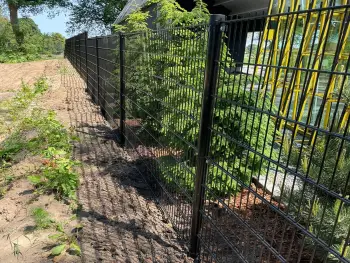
<point>65,242</point>
<point>42,218</point>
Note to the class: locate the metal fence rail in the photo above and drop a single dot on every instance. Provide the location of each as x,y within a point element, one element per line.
<point>247,153</point>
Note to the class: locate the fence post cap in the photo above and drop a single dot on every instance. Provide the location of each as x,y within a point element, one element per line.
<point>214,18</point>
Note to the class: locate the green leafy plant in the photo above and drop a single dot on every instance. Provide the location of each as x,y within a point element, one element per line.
<point>325,217</point>
<point>330,164</point>
<point>42,218</point>
<point>41,134</point>
<point>327,162</point>
<point>25,97</point>
<point>57,174</point>
<point>66,242</point>
<point>330,222</point>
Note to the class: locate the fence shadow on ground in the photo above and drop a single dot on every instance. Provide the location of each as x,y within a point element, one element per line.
<point>121,220</point>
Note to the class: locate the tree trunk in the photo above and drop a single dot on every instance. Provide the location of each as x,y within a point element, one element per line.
<point>14,23</point>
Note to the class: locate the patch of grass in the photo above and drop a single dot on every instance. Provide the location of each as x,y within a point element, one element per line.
<point>25,97</point>
<point>12,110</point>
<point>63,70</point>
<point>52,142</point>
<point>41,134</point>
<point>42,218</point>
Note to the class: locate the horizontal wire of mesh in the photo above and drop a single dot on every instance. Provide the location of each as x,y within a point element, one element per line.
<point>164,75</point>
<point>277,188</point>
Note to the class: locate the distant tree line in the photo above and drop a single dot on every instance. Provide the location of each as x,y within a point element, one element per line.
<point>33,44</point>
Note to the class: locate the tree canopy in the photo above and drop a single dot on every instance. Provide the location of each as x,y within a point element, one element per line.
<point>94,15</point>
<point>29,7</point>
<point>34,44</point>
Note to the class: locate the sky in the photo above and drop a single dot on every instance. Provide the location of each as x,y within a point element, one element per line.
<point>51,25</point>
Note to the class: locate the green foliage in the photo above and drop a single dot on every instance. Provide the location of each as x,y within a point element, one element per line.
<point>34,44</point>
<point>94,15</point>
<point>330,163</point>
<point>49,132</point>
<point>66,242</point>
<point>327,162</point>
<point>57,174</point>
<point>170,13</point>
<point>57,250</point>
<point>327,219</point>
<point>53,44</point>
<point>25,96</point>
<point>30,7</point>
<point>41,134</point>
<point>16,141</point>
<point>41,218</point>
<point>172,74</point>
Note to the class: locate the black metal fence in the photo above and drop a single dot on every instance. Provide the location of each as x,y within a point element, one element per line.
<point>247,153</point>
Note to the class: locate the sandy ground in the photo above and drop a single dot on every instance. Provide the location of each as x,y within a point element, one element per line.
<point>121,222</point>
<point>16,223</point>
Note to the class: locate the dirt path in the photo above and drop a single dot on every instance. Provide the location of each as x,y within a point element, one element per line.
<point>121,222</point>
<point>16,223</point>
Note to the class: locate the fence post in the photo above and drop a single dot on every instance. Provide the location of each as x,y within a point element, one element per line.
<point>98,74</point>
<point>65,48</point>
<point>86,62</point>
<point>122,88</point>
<point>210,86</point>
<point>80,55</point>
<point>71,51</point>
<point>75,52</point>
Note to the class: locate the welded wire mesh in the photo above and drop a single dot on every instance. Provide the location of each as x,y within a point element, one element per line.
<point>108,57</point>
<point>278,177</point>
<point>277,184</point>
<point>97,61</point>
<point>164,74</point>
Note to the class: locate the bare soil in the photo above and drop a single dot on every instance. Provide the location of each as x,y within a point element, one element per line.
<point>121,220</point>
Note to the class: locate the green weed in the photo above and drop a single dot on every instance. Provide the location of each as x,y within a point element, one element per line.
<point>66,242</point>
<point>15,247</point>
<point>25,96</point>
<point>63,70</point>
<point>57,174</point>
<point>41,134</point>
<point>42,218</point>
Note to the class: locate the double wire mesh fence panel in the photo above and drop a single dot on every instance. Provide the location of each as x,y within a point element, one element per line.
<point>164,74</point>
<point>108,66</point>
<point>92,69</point>
<point>97,62</point>
<point>276,170</point>
<point>278,178</point>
